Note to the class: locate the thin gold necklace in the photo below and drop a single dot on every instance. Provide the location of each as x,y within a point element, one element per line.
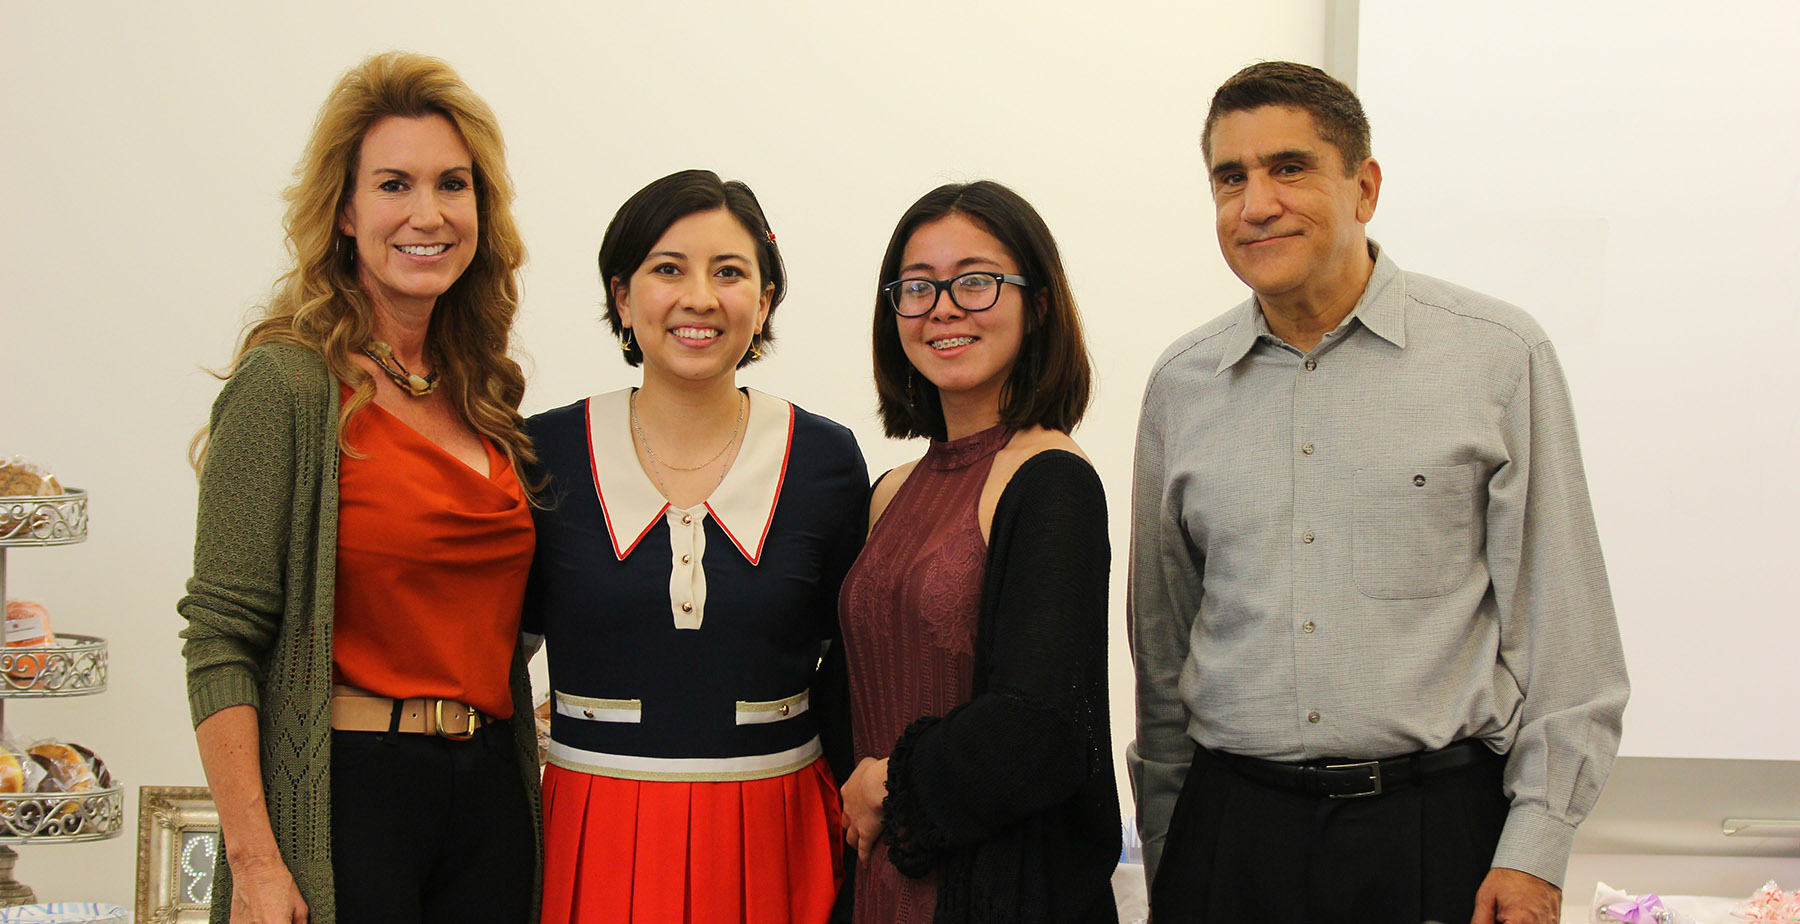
<point>637,426</point>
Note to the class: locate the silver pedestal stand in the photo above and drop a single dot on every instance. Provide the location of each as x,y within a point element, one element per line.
<point>74,666</point>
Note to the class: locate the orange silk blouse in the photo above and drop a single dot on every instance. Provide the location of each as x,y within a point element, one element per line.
<point>431,566</point>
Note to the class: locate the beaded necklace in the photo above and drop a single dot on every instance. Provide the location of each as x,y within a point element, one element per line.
<point>383,356</point>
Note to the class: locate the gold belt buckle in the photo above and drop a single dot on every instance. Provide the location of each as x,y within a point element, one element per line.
<point>441,731</point>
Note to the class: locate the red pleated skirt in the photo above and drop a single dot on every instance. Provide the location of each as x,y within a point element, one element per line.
<point>737,852</point>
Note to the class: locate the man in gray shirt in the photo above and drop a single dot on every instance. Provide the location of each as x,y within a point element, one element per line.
<point>1378,672</point>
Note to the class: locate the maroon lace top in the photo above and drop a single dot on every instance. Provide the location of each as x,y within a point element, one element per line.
<point>908,610</point>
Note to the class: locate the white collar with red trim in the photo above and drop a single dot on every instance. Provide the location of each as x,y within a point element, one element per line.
<point>743,504</point>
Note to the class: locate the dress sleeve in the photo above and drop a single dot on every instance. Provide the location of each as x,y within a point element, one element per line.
<point>531,608</point>
<point>545,500</point>
<point>831,682</point>
<point>1559,636</point>
<point>1025,741</point>
<point>1161,601</point>
<point>236,596</point>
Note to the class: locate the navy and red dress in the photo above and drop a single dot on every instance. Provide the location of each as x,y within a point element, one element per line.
<point>686,778</point>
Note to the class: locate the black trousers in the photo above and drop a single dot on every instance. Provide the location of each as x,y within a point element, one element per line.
<point>426,829</point>
<point>1238,850</point>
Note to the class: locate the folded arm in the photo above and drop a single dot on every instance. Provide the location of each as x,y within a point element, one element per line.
<point>1023,742</point>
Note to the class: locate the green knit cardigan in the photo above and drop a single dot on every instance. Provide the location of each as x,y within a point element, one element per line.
<point>259,605</point>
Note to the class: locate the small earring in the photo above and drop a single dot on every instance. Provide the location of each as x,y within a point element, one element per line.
<point>625,343</point>
<point>755,350</point>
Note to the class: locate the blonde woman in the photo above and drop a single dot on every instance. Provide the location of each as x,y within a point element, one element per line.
<point>364,537</point>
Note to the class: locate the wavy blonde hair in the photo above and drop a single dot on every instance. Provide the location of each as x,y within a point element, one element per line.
<point>319,303</point>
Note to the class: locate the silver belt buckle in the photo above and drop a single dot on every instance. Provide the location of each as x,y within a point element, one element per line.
<point>1374,768</point>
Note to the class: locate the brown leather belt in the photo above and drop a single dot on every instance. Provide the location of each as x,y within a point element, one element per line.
<point>354,709</point>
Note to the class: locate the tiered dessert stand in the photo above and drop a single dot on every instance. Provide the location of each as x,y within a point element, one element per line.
<point>74,666</point>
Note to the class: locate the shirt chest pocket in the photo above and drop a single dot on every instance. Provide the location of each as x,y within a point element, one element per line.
<point>1413,530</point>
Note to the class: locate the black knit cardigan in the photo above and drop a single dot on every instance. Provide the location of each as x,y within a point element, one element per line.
<point>1010,796</point>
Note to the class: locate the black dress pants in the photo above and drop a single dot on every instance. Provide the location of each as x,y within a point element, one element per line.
<point>1241,851</point>
<point>427,829</point>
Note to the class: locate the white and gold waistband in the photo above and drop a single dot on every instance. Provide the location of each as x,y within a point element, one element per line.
<point>684,769</point>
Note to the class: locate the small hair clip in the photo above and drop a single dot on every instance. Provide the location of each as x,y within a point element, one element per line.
<point>771,237</point>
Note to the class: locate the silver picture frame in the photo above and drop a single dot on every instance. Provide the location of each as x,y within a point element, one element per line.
<point>178,842</point>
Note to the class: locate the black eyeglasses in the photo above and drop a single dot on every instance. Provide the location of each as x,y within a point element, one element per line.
<point>915,297</point>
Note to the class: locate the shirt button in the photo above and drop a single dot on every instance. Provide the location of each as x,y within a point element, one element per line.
<point>1307,627</point>
<point>1308,449</point>
<point>1418,481</point>
<point>687,519</point>
<point>685,559</point>
<point>687,607</point>
<point>784,709</point>
<point>1306,537</point>
<point>1312,364</point>
<point>1312,717</point>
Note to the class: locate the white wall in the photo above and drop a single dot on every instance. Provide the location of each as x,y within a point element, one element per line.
<point>1624,170</point>
<point>144,148</point>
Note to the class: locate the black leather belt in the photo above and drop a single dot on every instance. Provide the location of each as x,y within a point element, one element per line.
<point>1357,779</point>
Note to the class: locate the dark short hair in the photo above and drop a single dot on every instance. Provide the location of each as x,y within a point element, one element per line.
<point>1051,378</point>
<point>644,218</point>
<point>1336,113</point>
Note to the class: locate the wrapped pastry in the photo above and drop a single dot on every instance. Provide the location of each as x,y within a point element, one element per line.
<point>27,625</point>
<point>19,478</point>
<point>12,771</point>
<point>67,767</point>
<point>19,772</point>
<point>101,774</point>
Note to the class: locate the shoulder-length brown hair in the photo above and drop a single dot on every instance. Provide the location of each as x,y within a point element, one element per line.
<point>1050,381</point>
<point>319,303</point>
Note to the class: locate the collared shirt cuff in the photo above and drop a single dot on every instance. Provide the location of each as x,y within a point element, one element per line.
<point>1153,850</point>
<point>1155,787</point>
<point>1535,843</point>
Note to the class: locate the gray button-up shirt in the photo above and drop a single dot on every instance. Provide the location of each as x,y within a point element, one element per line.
<point>1378,547</point>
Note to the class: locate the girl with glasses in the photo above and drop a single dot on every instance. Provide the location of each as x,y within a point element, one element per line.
<point>975,618</point>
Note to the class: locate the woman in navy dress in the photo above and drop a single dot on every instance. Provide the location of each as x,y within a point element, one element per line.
<point>689,556</point>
